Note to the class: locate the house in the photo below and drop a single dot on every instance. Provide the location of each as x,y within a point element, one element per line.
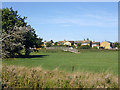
<point>96,44</point>
<point>86,42</point>
<point>53,43</point>
<point>106,44</point>
<point>44,43</point>
<point>77,42</point>
<point>83,43</point>
<point>67,43</point>
<point>72,42</point>
<point>60,42</point>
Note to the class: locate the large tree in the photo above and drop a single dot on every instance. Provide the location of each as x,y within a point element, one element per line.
<point>13,27</point>
<point>12,42</point>
<point>16,34</point>
<point>31,40</point>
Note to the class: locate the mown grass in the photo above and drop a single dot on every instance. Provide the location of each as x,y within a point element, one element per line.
<point>22,77</point>
<point>98,61</point>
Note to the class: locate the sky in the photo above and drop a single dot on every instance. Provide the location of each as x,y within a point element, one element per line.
<point>59,21</point>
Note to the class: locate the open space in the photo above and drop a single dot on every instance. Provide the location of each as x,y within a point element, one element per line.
<point>59,45</point>
<point>98,61</point>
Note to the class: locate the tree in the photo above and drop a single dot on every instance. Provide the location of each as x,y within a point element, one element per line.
<point>48,44</point>
<point>13,28</point>
<point>30,40</point>
<point>12,42</point>
<point>51,41</point>
<point>95,47</point>
<point>87,38</point>
<point>10,19</point>
<point>78,45</point>
<point>116,44</point>
<point>56,43</point>
<point>39,42</point>
<point>73,46</point>
<point>16,34</point>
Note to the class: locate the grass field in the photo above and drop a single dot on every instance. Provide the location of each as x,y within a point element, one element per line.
<point>87,61</point>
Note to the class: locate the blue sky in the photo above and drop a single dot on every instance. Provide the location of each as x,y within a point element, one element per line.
<point>70,20</point>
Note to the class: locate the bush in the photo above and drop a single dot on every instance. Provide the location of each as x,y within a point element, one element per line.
<point>85,47</point>
<point>73,46</point>
<point>42,47</point>
<point>78,45</point>
<point>62,45</point>
<point>95,47</point>
<point>22,77</point>
<point>48,44</point>
<point>67,45</point>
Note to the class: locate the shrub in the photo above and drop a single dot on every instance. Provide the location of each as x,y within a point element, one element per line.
<point>73,46</point>
<point>95,47</point>
<point>22,77</point>
<point>48,44</point>
<point>42,47</point>
<point>78,45</point>
<point>85,47</point>
<point>67,45</point>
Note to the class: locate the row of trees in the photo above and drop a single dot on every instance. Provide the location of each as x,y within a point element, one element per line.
<point>16,34</point>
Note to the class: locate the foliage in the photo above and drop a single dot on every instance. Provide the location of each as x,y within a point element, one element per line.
<point>51,41</point>
<point>48,44</point>
<point>13,28</point>
<point>78,45</point>
<point>14,77</point>
<point>16,34</point>
<point>67,45</point>
<point>56,43</point>
<point>12,41</point>
<point>39,43</point>
<point>73,46</point>
<point>117,44</point>
<point>42,47</point>
<point>95,47</point>
<point>87,38</point>
<point>31,40</point>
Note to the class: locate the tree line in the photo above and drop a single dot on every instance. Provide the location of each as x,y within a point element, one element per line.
<point>17,35</point>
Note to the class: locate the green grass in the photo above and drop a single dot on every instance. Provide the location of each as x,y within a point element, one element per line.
<point>86,60</point>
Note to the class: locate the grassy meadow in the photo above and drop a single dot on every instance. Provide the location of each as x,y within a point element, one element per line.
<point>97,61</point>
<point>23,77</point>
<point>58,69</point>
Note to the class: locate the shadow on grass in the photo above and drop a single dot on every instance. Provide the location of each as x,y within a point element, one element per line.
<point>31,56</point>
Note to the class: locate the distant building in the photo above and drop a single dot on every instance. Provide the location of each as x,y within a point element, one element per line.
<point>77,42</point>
<point>83,43</point>
<point>44,43</point>
<point>53,43</point>
<point>106,45</point>
<point>67,43</point>
<point>86,42</point>
<point>96,44</point>
<point>60,42</point>
<point>72,42</point>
